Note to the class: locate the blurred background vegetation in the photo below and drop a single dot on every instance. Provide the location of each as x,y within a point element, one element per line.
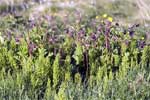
<point>123,11</point>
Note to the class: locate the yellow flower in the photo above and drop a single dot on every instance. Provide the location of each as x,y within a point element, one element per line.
<point>97,17</point>
<point>105,15</point>
<point>142,38</point>
<point>110,19</point>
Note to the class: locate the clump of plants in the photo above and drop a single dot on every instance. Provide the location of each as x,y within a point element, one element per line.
<point>89,59</point>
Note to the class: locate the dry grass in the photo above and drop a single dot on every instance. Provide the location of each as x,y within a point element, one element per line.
<point>124,11</point>
<point>144,12</point>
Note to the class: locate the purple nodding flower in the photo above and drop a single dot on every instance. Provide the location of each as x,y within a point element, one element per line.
<point>107,42</point>
<point>127,42</point>
<point>69,32</point>
<point>81,33</point>
<point>66,31</point>
<point>108,23</point>
<point>99,29</point>
<point>131,33</point>
<point>17,40</point>
<point>141,44</point>
<point>93,36</point>
<point>31,48</point>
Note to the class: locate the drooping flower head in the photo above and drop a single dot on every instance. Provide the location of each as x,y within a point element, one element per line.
<point>127,42</point>
<point>69,32</point>
<point>93,36</point>
<point>31,47</point>
<point>141,44</point>
<point>81,33</point>
<point>131,33</point>
<point>18,38</point>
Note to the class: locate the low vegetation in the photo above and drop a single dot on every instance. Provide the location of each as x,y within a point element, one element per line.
<point>73,56</point>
